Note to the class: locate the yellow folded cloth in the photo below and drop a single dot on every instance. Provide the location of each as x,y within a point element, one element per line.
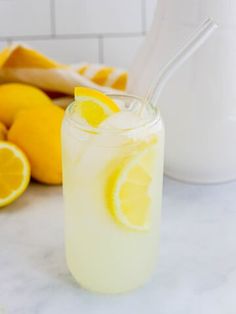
<point>19,63</point>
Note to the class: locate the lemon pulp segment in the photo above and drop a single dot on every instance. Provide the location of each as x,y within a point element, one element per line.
<point>14,173</point>
<point>128,189</point>
<point>94,106</point>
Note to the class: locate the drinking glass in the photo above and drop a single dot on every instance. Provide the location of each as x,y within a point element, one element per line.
<point>112,185</point>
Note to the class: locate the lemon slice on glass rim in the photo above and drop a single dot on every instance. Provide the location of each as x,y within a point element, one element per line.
<point>14,173</point>
<point>128,187</point>
<point>94,106</point>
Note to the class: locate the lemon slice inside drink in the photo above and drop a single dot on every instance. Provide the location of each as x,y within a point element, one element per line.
<point>94,106</point>
<point>14,173</point>
<point>128,189</point>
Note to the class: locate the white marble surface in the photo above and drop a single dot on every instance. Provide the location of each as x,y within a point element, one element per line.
<point>196,272</point>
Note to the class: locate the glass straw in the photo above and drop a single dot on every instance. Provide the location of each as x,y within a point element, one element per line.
<point>198,38</point>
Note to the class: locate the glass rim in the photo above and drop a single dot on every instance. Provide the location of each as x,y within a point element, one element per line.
<point>98,130</point>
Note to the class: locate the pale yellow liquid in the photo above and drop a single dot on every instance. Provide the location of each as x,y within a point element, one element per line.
<point>102,255</point>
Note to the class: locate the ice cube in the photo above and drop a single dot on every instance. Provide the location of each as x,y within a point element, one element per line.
<point>122,120</point>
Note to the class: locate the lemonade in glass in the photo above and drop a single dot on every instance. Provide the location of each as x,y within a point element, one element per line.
<point>112,184</point>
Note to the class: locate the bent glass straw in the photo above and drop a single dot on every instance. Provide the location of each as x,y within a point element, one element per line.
<point>197,39</point>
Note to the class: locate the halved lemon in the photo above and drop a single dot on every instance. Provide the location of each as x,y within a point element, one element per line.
<point>128,189</point>
<point>14,173</point>
<point>94,106</point>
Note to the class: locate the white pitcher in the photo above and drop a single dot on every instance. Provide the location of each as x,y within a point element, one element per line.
<point>199,103</point>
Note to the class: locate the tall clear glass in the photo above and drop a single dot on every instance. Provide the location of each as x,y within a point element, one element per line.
<point>112,184</point>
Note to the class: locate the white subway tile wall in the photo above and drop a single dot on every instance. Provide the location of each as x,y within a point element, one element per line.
<point>122,50</point>
<point>72,31</point>
<point>68,50</point>
<point>25,17</point>
<point>98,16</point>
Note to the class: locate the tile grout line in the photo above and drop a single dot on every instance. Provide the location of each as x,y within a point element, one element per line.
<point>73,36</point>
<point>52,18</point>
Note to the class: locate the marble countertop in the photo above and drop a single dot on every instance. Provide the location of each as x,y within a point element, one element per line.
<point>196,273</point>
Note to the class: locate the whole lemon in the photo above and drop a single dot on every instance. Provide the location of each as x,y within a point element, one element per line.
<point>3,132</point>
<point>38,133</point>
<point>15,96</point>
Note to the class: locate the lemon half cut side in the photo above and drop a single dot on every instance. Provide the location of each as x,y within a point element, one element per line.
<point>94,106</point>
<point>14,173</point>
<point>128,188</point>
